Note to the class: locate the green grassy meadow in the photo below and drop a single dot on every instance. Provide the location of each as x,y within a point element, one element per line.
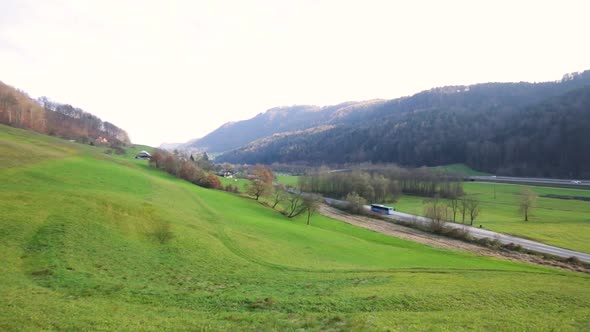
<point>239,182</point>
<point>78,252</point>
<point>460,169</point>
<point>561,222</point>
<point>288,180</point>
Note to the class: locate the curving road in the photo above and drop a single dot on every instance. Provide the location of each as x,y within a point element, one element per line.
<point>480,233</point>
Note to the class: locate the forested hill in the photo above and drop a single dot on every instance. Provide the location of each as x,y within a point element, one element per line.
<point>233,135</point>
<point>17,109</point>
<point>533,129</point>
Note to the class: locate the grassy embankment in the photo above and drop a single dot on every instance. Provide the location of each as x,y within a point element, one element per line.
<point>78,253</point>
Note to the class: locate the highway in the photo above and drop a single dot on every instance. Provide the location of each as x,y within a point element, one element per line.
<point>480,233</point>
<point>582,184</point>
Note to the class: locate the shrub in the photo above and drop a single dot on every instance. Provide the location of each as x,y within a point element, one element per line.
<point>490,243</point>
<point>356,203</point>
<point>185,169</point>
<point>513,247</point>
<point>162,231</point>
<point>573,260</point>
<point>211,181</point>
<point>266,303</point>
<point>118,150</point>
<point>457,233</point>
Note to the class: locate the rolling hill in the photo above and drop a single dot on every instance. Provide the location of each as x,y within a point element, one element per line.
<point>80,251</point>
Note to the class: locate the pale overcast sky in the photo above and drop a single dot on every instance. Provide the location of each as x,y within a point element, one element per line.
<point>169,71</point>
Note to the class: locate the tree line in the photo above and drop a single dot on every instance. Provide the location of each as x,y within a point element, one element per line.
<point>17,109</point>
<point>187,168</point>
<point>383,184</point>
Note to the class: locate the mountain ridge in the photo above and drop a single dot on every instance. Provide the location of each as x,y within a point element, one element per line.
<point>232,135</point>
<point>235,134</point>
<point>455,124</point>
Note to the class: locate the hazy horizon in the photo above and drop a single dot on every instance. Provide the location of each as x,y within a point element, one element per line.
<point>177,72</point>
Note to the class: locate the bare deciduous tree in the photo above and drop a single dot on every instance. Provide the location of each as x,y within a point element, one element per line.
<point>295,204</point>
<point>463,207</point>
<point>438,212</point>
<point>473,209</point>
<point>528,201</point>
<point>312,203</point>
<point>454,204</point>
<point>261,182</point>
<point>278,195</point>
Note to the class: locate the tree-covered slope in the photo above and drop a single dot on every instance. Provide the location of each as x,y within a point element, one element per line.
<point>17,109</point>
<point>505,128</point>
<point>276,120</point>
<point>79,252</point>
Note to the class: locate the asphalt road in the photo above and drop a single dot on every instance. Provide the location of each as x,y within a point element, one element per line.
<point>572,182</point>
<point>480,233</point>
<point>569,182</point>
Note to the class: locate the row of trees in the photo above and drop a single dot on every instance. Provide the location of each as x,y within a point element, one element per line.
<point>17,109</point>
<point>385,184</point>
<point>373,187</point>
<point>185,168</point>
<point>468,208</point>
<point>465,207</point>
<point>425,181</point>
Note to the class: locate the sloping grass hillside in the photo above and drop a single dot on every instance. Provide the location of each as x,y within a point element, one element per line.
<point>85,245</point>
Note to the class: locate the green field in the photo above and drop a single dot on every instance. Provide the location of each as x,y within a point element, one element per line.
<point>239,182</point>
<point>560,222</point>
<point>460,169</point>
<point>78,252</point>
<point>288,180</point>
